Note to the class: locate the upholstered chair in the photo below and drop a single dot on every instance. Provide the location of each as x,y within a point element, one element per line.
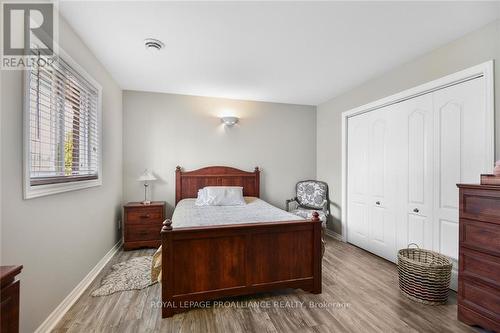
<point>311,196</point>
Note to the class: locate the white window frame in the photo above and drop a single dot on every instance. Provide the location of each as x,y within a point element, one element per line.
<point>30,191</point>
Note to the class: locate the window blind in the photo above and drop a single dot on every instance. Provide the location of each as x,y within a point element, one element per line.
<point>63,125</point>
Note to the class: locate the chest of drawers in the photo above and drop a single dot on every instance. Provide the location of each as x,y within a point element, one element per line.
<point>479,252</point>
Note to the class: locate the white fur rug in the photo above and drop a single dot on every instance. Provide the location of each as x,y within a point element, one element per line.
<point>133,274</point>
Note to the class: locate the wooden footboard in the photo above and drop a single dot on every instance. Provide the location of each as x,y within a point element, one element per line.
<point>209,263</point>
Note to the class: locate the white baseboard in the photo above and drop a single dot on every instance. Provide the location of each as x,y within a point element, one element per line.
<point>333,234</point>
<point>56,315</point>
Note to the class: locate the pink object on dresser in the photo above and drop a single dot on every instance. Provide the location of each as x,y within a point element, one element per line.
<point>496,170</point>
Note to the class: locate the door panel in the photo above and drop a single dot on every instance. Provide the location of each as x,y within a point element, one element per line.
<point>357,185</point>
<point>459,149</point>
<point>382,162</point>
<point>414,201</point>
<point>450,124</point>
<point>448,243</point>
<point>378,154</point>
<point>419,231</point>
<point>417,156</point>
<point>358,222</point>
<point>377,225</point>
<point>370,205</point>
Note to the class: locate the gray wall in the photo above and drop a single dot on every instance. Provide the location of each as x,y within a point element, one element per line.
<point>57,238</point>
<point>162,131</point>
<point>472,49</point>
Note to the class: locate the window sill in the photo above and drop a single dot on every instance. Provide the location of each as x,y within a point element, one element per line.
<point>31,192</point>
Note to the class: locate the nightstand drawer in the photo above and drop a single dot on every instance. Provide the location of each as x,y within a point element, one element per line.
<point>138,233</point>
<point>144,215</point>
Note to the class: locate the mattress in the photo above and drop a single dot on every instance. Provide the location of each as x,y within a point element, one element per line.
<point>187,214</point>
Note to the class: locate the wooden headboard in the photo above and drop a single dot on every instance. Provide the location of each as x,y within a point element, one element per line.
<point>187,183</point>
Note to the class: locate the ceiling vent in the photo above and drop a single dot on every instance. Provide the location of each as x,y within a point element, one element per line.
<point>153,44</point>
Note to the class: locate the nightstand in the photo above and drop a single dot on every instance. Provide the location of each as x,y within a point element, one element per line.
<point>142,224</point>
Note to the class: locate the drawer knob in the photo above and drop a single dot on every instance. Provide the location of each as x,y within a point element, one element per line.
<point>145,216</point>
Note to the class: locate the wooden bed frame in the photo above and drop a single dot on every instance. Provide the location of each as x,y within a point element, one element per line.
<point>211,262</point>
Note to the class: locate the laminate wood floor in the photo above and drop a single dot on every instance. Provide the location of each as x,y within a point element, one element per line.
<point>360,294</point>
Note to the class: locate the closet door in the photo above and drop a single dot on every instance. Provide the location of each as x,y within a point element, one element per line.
<point>415,172</point>
<point>404,161</point>
<point>371,183</point>
<point>357,184</point>
<point>460,153</point>
<point>382,161</point>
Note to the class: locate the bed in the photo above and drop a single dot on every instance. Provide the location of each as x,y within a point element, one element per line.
<point>210,253</point>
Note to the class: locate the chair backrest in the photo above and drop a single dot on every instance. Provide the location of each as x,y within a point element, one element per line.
<point>312,193</point>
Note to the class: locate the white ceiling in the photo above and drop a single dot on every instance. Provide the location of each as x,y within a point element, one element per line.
<point>290,52</point>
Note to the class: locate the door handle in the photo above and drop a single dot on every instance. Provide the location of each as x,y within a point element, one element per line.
<point>377,203</point>
<point>416,210</point>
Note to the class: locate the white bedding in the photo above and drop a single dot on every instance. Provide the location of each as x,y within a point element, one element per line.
<point>187,214</point>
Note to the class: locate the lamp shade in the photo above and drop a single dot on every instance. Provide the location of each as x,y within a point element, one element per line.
<point>146,176</point>
<point>229,121</point>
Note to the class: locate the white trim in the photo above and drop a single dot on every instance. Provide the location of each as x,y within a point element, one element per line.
<point>485,70</point>
<point>343,215</point>
<point>31,192</point>
<point>333,234</point>
<point>56,315</point>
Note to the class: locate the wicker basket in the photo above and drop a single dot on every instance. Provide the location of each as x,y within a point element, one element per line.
<point>424,276</point>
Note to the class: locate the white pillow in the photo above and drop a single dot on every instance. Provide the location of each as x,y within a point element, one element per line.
<point>223,195</point>
<point>201,200</point>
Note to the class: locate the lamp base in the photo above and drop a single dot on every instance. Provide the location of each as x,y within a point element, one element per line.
<point>146,202</point>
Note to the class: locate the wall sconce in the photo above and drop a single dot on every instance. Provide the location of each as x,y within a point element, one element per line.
<point>229,121</point>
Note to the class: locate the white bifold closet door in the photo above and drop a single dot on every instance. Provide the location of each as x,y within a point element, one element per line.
<point>404,161</point>
<point>461,154</point>
<point>414,174</point>
<point>372,196</point>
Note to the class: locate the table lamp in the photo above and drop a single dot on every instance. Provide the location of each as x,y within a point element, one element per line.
<point>146,177</point>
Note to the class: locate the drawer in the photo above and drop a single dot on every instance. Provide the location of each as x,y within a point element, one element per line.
<point>480,298</point>
<point>480,236</point>
<point>144,215</point>
<point>480,205</point>
<point>480,266</point>
<point>137,233</point>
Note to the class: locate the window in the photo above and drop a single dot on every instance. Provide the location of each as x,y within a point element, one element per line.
<point>62,129</point>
